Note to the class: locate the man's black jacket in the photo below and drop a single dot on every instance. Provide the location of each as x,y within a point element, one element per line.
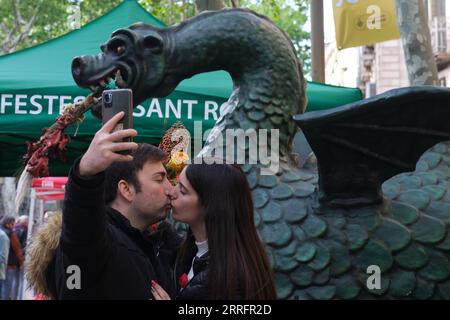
<point>115,260</point>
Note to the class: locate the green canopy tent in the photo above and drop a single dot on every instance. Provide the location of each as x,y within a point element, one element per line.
<point>36,83</point>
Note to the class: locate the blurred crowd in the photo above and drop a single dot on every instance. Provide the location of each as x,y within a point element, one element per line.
<point>13,240</point>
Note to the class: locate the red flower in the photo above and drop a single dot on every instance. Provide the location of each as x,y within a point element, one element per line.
<point>154,227</point>
<point>183,280</point>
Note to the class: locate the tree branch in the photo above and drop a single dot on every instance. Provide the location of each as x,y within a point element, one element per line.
<point>11,44</point>
<point>203,5</point>
<point>23,34</point>
<point>16,26</point>
<point>3,28</point>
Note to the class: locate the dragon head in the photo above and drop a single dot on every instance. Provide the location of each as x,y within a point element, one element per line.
<point>136,54</point>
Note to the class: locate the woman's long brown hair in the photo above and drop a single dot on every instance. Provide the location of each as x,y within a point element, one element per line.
<point>238,264</point>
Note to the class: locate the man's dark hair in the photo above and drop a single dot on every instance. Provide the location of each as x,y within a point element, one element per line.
<point>8,220</point>
<point>127,170</point>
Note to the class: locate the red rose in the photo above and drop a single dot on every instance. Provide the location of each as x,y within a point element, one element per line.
<point>183,280</point>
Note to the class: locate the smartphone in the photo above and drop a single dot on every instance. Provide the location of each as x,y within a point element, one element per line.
<point>115,101</point>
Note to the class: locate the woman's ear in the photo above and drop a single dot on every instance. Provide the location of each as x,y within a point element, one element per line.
<point>126,190</point>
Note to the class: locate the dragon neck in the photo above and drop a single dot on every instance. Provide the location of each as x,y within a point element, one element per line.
<point>268,81</point>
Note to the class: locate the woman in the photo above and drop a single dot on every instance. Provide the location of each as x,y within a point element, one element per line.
<point>222,256</point>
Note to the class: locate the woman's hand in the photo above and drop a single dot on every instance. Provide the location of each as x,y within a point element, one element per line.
<point>158,292</point>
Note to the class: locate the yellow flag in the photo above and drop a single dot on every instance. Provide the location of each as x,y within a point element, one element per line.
<point>362,22</point>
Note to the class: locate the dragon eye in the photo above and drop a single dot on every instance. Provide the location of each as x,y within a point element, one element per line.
<point>119,50</point>
<point>117,46</point>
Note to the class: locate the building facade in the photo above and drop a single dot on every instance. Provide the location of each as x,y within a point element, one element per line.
<point>383,67</point>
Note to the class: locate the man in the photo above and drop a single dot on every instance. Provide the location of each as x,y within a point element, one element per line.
<point>105,252</point>
<point>4,251</point>
<point>21,230</point>
<point>15,260</point>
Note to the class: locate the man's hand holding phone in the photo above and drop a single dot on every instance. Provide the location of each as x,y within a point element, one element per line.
<point>104,148</point>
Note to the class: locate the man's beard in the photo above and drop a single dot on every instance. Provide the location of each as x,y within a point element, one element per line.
<point>162,215</point>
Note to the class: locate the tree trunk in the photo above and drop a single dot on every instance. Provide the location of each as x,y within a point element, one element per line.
<point>20,30</point>
<point>8,193</point>
<point>184,9</point>
<point>416,40</point>
<point>203,5</point>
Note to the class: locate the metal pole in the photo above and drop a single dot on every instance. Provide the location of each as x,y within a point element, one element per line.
<point>317,41</point>
<point>41,211</point>
<point>25,296</point>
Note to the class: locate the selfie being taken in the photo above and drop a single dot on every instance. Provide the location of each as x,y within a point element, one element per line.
<point>224,155</point>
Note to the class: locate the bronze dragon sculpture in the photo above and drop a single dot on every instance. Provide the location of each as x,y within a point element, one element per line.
<point>364,202</point>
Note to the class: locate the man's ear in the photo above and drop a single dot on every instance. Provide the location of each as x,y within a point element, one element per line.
<point>126,190</point>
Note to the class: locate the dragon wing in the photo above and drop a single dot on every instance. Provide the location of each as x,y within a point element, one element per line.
<point>360,145</point>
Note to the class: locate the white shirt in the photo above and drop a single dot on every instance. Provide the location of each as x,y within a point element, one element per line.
<point>202,248</point>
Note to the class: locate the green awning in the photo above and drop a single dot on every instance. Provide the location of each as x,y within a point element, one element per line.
<point>36,83</point>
